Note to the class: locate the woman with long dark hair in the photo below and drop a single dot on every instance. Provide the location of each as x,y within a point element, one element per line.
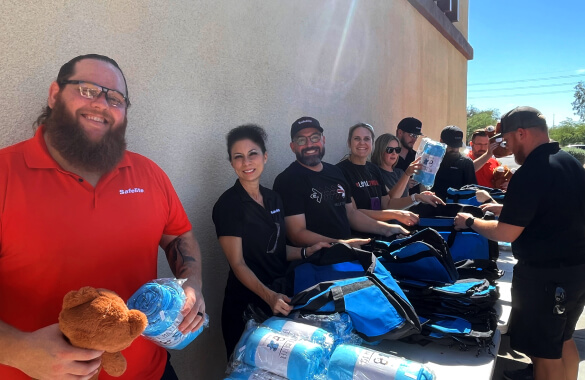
<point>249,222</point>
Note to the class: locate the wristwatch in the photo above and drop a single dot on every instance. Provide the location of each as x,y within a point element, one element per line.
<point>469,221</point>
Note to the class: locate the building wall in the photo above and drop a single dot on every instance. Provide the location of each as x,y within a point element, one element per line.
<point>195,69</point>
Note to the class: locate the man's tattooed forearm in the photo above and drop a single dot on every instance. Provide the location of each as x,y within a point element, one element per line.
<point>177,257</point>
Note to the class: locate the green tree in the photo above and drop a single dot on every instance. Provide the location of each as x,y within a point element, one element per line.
<point>568,132</point>
<point>477,119</point>
<point>579,103</point>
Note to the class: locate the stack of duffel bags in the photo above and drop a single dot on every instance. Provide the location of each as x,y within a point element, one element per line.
<point>449,276</point>
<point>343,298</point>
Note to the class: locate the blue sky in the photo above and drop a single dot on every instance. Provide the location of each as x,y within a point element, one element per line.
<point>523,43</point>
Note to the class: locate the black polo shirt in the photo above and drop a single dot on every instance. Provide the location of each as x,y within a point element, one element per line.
<point>366,182</point>
<point>261,228</point>
<point>546,196</point>
<point>455,171</point>
<point>321,196</point>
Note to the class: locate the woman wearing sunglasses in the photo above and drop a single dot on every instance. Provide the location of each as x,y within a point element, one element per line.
<point>386,152</point>
<point>249,222</point>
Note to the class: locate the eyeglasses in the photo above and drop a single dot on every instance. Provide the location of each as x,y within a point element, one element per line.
<point>91,90</point>
<point>390,149</point>
<point>413,135</point>
<point>302,140</point>
<point>560,297</point>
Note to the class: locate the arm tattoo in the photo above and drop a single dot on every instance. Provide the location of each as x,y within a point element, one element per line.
<point>178,259</point>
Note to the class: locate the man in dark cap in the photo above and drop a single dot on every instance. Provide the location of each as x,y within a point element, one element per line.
<point>316,195</point>
<point>408,131</point>
<point>543,215</point>
<point>456,170</point>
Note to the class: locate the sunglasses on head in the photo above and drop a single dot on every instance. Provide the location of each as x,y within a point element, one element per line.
<point>391,149</point>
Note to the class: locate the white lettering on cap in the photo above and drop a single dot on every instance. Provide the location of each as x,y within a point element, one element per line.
<point>305,121</point>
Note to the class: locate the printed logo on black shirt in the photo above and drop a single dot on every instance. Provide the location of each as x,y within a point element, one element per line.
<point>316,194</point>
<point>334,192</point>
<point>368,183</point>
<point>341,191</point>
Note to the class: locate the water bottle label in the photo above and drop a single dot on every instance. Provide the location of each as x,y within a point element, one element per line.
<point>375,365</point>
<point>274,352</point>
<point>299,329</point>
<point>430,163</point>
<point>171,336</point>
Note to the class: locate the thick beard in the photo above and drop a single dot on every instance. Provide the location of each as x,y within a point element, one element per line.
<point>519,158</point>
<point>68,138</point>
<point>405,145</point>
<point>310,161</point>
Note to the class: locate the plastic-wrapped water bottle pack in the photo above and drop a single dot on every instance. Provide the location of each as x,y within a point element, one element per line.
<point>161,300</point>
<point>314,347</point>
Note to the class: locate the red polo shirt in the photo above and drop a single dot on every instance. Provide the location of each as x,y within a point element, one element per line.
<point>58,233</point>
<point>485,175</point>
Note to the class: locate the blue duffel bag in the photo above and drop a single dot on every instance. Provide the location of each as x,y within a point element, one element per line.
<point>350,280</point>
<point>464,244</point>
<point>422,256</point>
<point>466,195</point>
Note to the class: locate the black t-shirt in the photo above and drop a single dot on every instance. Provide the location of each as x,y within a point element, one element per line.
<point>404,162</point>
<point>366,182</point>
<point>546,196</point>
<point>261,228</point>
<point>455,171</point>
<point>321,196</point>
<point>392,178</point>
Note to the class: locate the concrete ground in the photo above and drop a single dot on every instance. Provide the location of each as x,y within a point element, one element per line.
<point>509,359</point>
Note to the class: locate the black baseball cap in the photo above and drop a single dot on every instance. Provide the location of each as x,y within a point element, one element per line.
<point>410,125</point>
<point>522,117</point>
<point>452,136</point>
<point>302,123</point>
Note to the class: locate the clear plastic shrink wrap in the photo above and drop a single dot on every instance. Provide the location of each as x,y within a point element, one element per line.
<point>280,354</point>
<point>431,154</point>
<point>161,300</point>
<point>350,362</point>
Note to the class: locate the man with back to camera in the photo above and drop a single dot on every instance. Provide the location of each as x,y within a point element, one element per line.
<point>77,209</point>
<point>316,196</point>
<point>455,170</point>
<point>482,155</point>
<point>408,131</point>
<point>543,215</point>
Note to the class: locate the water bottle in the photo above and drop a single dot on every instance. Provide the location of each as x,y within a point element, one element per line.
<point>431,154</point>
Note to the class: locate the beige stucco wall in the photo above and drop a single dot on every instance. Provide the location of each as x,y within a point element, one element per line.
<point>195,69</point>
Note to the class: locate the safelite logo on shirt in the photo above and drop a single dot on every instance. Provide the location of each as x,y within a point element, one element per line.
<point>131,191</point>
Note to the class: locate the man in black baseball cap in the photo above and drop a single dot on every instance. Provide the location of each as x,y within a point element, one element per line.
<point>521,119</point>
<point>452,136</point>
<point>456,170</point>
<point>408,131</point>
<point>543,215</point>
<point>304,122</point>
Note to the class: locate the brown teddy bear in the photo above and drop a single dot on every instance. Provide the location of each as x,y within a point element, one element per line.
<point>502,175</point>
<point>99,319</point>
<point>500,151</point>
